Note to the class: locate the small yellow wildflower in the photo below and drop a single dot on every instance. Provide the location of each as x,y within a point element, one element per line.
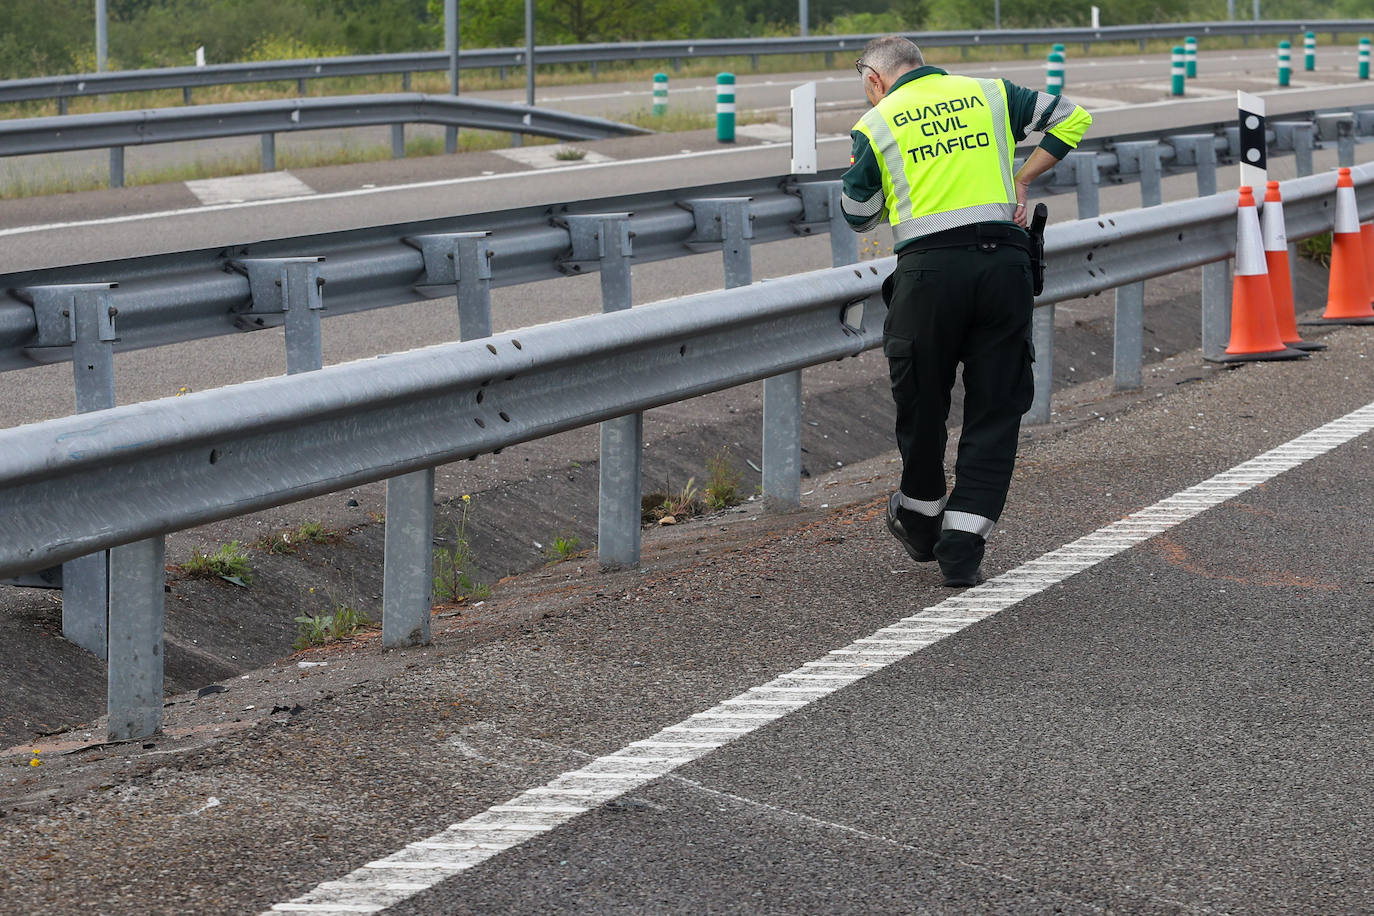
<point>467,497</point>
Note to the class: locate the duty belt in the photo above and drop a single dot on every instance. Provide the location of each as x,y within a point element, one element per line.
<point>983,236</point>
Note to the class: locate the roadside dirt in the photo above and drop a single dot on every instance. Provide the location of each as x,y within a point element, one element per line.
<point>520,502</point>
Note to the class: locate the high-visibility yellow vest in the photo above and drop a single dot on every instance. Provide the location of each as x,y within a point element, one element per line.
<point>944,145</point>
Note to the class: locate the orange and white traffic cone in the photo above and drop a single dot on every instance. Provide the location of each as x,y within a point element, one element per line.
<point>1280,277</point>
<point>1347,293</point>
<point>1367,248</point>
<point>1254,330</point>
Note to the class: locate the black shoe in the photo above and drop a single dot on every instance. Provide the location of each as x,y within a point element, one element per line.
<point>960,554</point>
<point>917,533</point>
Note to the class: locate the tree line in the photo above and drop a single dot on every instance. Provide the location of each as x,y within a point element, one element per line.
<point>47,37</point>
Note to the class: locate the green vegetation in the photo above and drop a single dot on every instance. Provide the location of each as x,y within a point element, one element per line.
<point>568,154</point>
<point>289,541</point>
<point>342,622</point>
<point>562,548</point>
<point>58,36</point>
<point>1317,248</point>
<point>229,562</point>
<point>454,569</point>
<point>722,482</point>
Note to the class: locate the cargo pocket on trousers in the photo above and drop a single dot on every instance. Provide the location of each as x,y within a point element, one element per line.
<point>900,353</point>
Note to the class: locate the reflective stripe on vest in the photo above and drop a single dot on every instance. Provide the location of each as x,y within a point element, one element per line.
<point>944,146</point>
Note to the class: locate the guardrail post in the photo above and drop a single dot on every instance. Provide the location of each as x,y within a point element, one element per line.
<point>405,81</point>
<point>61,104</point>
<point>1216,309</point>
<point>269,152</point>
<point>300,86</point>
<point>186,95</point>
<point>137,612</point>
<point>606,239</point>
<point>1142,156</point>
<point>80,316</point>
<point>1301,135</point>
<point>1345,143</point>
<point>116,166</point>
<point>288,287</point>
<point>1199,151</point>
<point>408,548</point>
<point>1128,325</point>
<point>1042,339</point>
<point>1087,179</point>
<point>398,141</point>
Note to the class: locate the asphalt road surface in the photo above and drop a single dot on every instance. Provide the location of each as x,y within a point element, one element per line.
<point>1180,726</point>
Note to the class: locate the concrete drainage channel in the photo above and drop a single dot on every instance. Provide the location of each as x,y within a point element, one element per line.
<point>525,498</point>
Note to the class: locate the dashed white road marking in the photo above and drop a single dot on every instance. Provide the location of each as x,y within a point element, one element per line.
<point>546,157</point>
<point>429,861</point>
<point>241,188</point>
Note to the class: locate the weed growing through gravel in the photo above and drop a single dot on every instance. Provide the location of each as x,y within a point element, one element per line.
<point>570,154</point>
<point>342,622</point>
<point>289,541</point>
<point>679,505</point>
<point>229,562</point>
<point>722,481</point>
<point>562,548</point>
<point>453,565</point>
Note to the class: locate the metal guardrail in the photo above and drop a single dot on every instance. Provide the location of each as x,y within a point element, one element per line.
<point>187,78</point>
<point>123,478</point>
<point>118,129</point>
<point>189,295</point>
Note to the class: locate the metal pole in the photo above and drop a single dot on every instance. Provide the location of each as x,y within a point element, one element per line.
<point>451,46</point>
<point>1257,10</point>
<point>529,52</point>
<point>102,41</point>
<point>137,613</point>
<point>803,17</point>
<point>996,14</point>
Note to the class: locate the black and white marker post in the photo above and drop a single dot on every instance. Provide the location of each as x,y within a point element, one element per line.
<point>1253,161</point>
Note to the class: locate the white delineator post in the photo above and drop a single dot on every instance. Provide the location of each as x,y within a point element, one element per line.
<point>804,159</point>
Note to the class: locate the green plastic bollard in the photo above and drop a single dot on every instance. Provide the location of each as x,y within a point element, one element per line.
<point>1054,73</point>
<point>1285,63</point>
<point>1309,51</point>
<point>1364,58</point>
<point>660,94</point>
<point>1190,56</point>
<point>1177,71</point>
<point>725,107</point>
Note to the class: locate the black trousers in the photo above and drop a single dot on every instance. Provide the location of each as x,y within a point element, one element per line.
<point>960,305</point>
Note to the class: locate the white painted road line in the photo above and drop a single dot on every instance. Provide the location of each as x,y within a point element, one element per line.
<point>358,890</point>
<point>387,189</point>
<point>238,189</point>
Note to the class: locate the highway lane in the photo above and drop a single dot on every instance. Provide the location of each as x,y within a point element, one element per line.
<point>1177,728</point>
<point>160,372</point>
<point>1103,82</point>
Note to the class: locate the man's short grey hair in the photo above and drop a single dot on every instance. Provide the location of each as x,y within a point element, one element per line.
<point>892,55</point>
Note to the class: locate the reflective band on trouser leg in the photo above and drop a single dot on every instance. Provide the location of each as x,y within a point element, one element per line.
<point>1190,56</point>
<point>929,507</point>
<point>1176,72</point>
<point>967,521</point>
<point>1285,63</point>
<point>1276,259</point>
<point>1347,296</point>
<point>725,107</point>
<point>1309,47</point>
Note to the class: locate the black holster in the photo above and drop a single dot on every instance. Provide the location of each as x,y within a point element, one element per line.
<point>1037,249</point>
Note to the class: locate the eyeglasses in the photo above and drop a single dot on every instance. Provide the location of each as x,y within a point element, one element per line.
<point>859,65</point>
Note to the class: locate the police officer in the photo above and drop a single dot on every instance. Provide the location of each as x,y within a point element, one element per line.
<point>934,155</point>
